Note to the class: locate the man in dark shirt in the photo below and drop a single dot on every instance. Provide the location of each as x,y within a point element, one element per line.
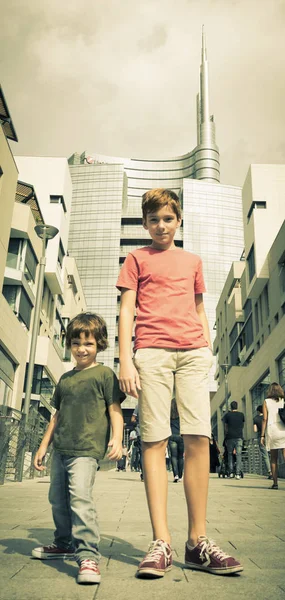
<point>257,424</point>
<point>234,422</point>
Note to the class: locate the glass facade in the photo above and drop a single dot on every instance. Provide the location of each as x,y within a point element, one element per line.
<point>94,238</point>
<point>213,229</point>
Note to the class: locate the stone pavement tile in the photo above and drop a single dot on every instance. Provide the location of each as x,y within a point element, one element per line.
<point>43,590</point>
<point>232,586</point>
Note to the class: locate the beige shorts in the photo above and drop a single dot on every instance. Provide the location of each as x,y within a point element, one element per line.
<point>160,370</point>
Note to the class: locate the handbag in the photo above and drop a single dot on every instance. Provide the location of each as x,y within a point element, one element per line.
<point>281,412</point>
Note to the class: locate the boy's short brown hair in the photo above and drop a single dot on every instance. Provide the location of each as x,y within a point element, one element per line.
<point>155,199</point>
<point>89,324</point>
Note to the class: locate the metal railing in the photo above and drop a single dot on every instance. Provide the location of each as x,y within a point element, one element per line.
<point>14,437</point>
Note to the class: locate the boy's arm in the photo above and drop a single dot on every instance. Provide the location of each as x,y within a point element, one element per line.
<point>128,376</point>
<point>117,424</point>
<point>201,312</point>
<point>46,441</point>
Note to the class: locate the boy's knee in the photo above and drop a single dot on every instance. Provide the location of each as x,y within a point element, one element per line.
<point>155,446</point>
<point>195,441</point>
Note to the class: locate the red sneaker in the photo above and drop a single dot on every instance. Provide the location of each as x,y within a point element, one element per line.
<point>207,556</point>
<point>157,561</point>
<point>88,572</point>
<point>52,551</point>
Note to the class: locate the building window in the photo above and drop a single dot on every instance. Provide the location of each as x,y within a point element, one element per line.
<point>58,200</point>
<point>266,301</point>
<point>25,309</point>
<point>251,263</point>
<point>260,311</point>
<point>61,254</point>
<point>10,293</point>
<point>214,425</point>
<point>256,318</point>
<point>247,309</point>
<point>248,333</point>
<point>7,375</point>
<point>259,391</point>
<point>281,370</point>
<point>19,302</point>
<point>30,265</point>
<point>255,204</point>
<point>37,379</point>
<point>282,276</point>
<point>14,253</point>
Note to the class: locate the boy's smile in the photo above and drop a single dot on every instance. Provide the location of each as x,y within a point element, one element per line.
<point>162,226</point>
<point>84,351</point>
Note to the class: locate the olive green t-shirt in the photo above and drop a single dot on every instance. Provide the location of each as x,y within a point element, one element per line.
<point>82,399</point>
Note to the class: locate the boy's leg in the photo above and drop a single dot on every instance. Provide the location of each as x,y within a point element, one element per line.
<point>156,483</point>
<point>193,402</point>
<point>230,447</point>
<point>85,529</point>
<point>60,502</point>
<point>196,479</point>
<point>62,546</point>
<point>155,367</point>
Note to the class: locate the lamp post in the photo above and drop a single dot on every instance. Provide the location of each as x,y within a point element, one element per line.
<point>45,232</point>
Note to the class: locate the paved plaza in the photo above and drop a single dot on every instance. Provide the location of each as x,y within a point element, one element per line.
<point>244,517</point>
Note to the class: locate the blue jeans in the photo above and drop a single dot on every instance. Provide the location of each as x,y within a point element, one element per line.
<point>265,456</point>
<point>74,514</point>
<point>176,447</point>
<point>235,443</point>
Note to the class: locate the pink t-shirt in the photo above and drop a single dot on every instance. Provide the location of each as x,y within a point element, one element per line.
<point>166,282</point>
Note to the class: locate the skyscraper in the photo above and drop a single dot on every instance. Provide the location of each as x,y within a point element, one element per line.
<point>106,219</point>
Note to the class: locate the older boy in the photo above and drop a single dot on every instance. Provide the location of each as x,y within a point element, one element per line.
<point>87,399</point>
<point>172,345</point>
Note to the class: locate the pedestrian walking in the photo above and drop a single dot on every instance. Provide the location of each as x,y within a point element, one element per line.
<point>87,401</point>
<point>257,426</point>
<point>214,454</point>
<point>234,422</point>
<point>273,428</point>
<point>176,444</point>
<point>135,419</point>
<point>165,285</point>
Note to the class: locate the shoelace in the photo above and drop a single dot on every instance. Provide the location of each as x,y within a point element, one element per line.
<point>155,549</point>
<point>209,547</point>
<point>89,564</point>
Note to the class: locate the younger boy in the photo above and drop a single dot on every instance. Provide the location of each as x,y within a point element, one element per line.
<point>172,346</point>
<point>87,399</point>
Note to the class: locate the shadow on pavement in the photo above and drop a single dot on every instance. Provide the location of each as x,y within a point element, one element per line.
<point>111,547</point>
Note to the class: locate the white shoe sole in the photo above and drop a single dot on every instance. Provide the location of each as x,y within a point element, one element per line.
<point>88,578</point>
<point>228,571</point>
<point>46,556</point>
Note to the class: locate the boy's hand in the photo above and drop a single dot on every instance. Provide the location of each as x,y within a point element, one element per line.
<point>129,379</point>
<point>116,450</point>
<point>39,458</point>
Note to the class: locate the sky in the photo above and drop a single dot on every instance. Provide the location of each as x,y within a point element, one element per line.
<point>120,77</point>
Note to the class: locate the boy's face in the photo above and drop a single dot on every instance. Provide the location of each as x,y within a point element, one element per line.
<point>84,351</point>
<point>162,226</point>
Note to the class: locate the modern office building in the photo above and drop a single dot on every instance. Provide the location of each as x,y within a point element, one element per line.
<point>46,200</point>
<point>250,315</point>
<point>106,219</point>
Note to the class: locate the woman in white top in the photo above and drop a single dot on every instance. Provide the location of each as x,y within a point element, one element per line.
<point>273,429</point>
